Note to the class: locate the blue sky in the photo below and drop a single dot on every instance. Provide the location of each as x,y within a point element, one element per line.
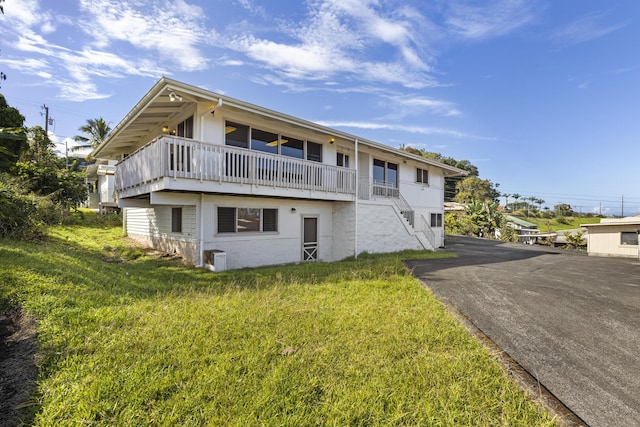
<point>542,96</point>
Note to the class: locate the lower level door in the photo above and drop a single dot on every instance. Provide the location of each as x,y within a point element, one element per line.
<point>309,238</point>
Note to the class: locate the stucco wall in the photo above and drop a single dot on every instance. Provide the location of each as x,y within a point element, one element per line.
<point>605,241</point>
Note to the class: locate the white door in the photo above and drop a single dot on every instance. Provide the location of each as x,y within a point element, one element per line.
<point>309,238</point>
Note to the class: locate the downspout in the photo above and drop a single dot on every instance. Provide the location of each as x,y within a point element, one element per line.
<point>355,240</point>
<point>201,232</point>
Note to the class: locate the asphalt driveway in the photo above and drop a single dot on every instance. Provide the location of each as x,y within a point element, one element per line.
<point>571,321</point>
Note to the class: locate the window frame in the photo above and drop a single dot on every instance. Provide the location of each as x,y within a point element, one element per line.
<point>342,159</point>
<point>422,176</point>
<point>234,224</point>
<point>438,220</point>
<point>633,235</point>
<point>185,128</point>
<point>385,171</point>
<point>176,219</point>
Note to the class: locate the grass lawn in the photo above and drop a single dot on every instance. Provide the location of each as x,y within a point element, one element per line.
<point>131,339</point>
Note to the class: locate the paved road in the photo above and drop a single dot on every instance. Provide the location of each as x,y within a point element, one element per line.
<point>571,321</point>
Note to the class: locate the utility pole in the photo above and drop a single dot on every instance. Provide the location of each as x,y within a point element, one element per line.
<point>46,119</point>
<point>622,206</point>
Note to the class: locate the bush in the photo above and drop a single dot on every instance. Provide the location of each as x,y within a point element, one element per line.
<point>18,210</point>
<point>563,220</point>
<point>508,234</point>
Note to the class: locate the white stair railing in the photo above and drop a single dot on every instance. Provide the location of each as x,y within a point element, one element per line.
<point>428,231</point>
<point>405,209</point>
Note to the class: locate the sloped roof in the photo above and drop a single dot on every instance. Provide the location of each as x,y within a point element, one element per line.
<point>609,222</point>
<point>158,107</point>
<point>520,222</point>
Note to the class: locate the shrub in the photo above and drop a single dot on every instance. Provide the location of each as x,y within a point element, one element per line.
<point>508,234</point>
<point>18,210</point>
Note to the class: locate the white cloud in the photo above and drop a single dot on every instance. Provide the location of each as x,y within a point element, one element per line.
<point>357,39</point>
<point>171,30</point>
<point>586,28</point>
<point>488,20</point>
<point>402,128</point>
<point>418,104</point>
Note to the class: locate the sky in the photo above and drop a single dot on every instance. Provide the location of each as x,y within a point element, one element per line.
<point>543,96</point>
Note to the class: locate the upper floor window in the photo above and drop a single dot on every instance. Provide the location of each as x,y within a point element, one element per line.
<point>292,147</point>
<point>264,141</point>
<point>185,129</point>
<point>314,151</point>
<point>342,160</point>
<point>236,135</point>
<point>385,173</point>
<point>422,176</point>
<point>243,136</point>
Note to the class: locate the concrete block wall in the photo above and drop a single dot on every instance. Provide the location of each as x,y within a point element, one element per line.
<point>344,223</point>
<point>380,230</point>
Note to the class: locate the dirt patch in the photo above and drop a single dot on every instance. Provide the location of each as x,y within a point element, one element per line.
<point>18,363</point>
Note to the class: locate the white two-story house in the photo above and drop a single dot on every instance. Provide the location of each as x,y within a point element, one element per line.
<point>228,184</point>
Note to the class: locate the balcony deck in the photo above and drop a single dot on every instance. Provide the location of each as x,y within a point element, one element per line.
<point>181,164</point>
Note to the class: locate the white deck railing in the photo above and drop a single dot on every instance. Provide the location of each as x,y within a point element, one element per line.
<point>175,157</point>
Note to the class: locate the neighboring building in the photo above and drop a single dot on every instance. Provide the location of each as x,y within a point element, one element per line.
<point>617,237</point>
<point>526,230</point>
<point>228,184</point>
<point>100,180</point>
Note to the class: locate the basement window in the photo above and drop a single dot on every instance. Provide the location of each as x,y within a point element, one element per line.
<point>176,220</point>
<point>242,220</point>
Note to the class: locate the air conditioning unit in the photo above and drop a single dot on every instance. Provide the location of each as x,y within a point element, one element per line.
<point>215,260</point>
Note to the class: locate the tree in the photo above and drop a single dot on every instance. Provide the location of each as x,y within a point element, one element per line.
<point>96,130</point>
<point>13,140</point>
<point>474,188</point>
<point>40,171</point>
<point>485,216</point>
<point>563,209</point>
<point>574,240</point>
<point>506,199</point>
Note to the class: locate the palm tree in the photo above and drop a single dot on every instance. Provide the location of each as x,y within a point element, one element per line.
<point>96,130</point>
<point>529,199</point>
<point>516,196</point>
<point>506,200</point>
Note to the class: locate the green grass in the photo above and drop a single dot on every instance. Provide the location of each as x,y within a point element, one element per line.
<point>551,224</point>
<point>128,339</point>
